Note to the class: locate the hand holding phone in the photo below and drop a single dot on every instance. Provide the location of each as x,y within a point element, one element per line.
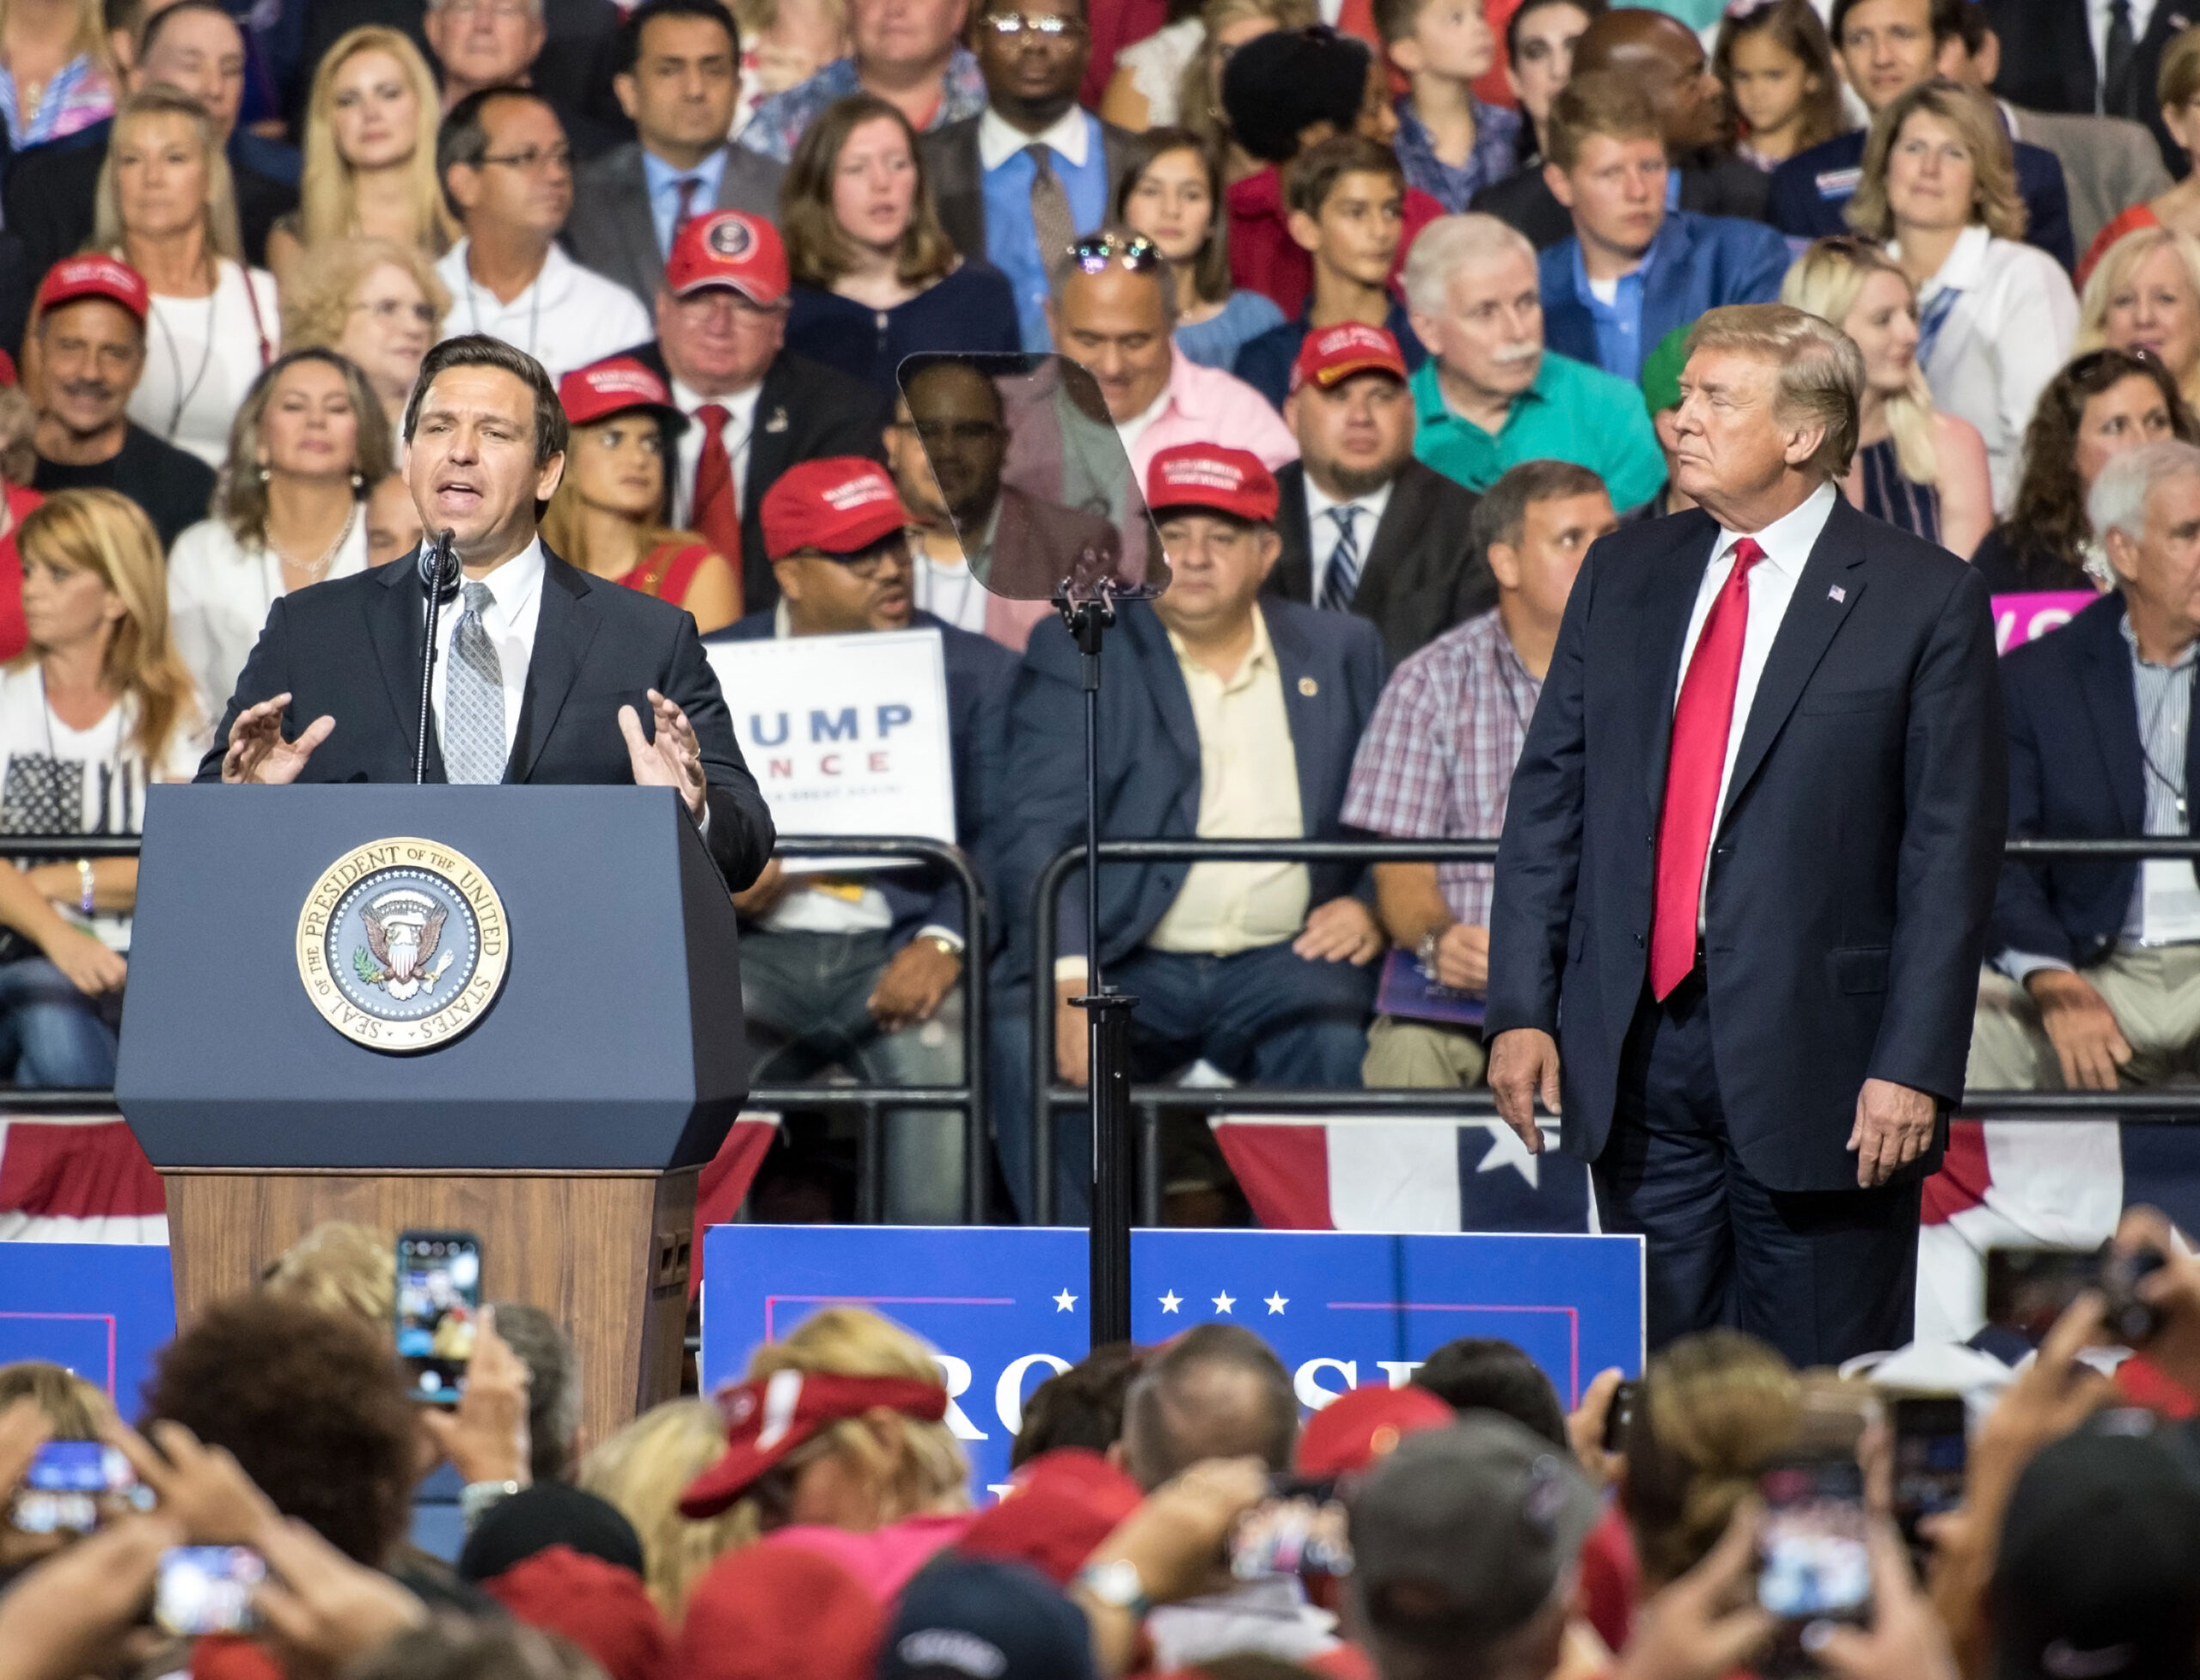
<point>1814,1560</point>
<point>1931,1454</point>
<point>1300,1528</point>
<point>207,1590</point>
<point>74,1487</point>
<point>438,1310</point>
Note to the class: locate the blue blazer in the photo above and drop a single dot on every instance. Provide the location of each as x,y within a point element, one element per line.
<point>1812,190</point>
<point>1698,263</point>
<point>1853,870</point>
<point>1332,666</point>
<point>2075,773</point>
<point>979,673</point>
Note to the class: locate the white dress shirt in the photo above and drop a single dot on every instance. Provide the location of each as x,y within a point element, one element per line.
<point>219,592</point>
<point>567,317</point>
<point>1069,134</point>
<point>516,589</point>
<point>1786,542</point>
<point>1321,533</point>
<point>741,421</point>
<point>2142,14</point>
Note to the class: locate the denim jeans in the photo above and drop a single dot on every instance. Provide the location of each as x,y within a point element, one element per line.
<point>805,996</point>
<point>54,1036</point>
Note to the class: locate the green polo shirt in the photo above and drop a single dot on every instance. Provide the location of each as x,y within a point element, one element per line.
<point>1572,412</point>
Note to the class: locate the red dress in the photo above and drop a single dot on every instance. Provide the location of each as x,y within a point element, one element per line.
<point>15,635</point>
<point>665,572</point>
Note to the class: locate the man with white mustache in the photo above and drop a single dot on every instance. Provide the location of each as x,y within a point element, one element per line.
<point>1490,396</point>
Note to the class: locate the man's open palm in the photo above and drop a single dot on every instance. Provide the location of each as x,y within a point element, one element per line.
<point>257,751</point>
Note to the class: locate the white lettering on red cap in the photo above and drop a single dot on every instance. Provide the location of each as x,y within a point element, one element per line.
<point>782,1394</point>
<point>859,493</point>
<point>1208,474</point>
<point>630,382</point>
<point>1354,333</point>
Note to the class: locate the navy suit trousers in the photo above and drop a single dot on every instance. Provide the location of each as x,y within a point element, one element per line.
<point>1821,1275</point>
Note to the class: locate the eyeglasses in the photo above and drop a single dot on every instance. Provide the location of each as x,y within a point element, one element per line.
<point>1009,25</point>
<point>533,161</point>
<point>390,310</point>
<point>892,553</point>
<point>1094,251</point>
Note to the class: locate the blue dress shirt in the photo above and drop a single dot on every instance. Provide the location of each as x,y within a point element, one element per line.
<point>1011,240</point>
<point>664,183</point>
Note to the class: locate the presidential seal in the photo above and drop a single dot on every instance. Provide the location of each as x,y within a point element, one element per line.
<point>402,945</point>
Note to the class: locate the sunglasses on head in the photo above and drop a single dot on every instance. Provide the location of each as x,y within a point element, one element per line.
<point>1135,251</point>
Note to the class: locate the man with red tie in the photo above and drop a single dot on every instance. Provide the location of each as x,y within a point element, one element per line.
<point>1751,847</point>
<point>754,407</point>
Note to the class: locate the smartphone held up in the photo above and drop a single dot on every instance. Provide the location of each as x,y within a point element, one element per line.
<point>438,1310</point>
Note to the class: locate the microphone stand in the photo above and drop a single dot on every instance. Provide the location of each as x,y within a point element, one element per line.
<point>438,567</point>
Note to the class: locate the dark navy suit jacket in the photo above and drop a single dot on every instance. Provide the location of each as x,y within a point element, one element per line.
<point>1806,208</point>
<point>2075,773</point>
<point>1698,263</point>
<point>979,673</point>
<point>1332,666</point>
<point>1853,870</point>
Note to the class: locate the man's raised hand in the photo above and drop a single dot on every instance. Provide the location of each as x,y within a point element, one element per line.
<point>674,759</point>
<point>257,751</point>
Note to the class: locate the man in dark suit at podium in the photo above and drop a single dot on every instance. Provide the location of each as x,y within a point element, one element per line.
<point>544,671</point>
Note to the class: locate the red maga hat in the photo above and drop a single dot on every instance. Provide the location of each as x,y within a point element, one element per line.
<point>842,504</point>
<point>768,1418</point>
<point>1363,1425</point>
<point>729,249</point>
<point>1329,355</point>
<point>96,275</point>
<point>603,389</point>
<point>1208,475</point>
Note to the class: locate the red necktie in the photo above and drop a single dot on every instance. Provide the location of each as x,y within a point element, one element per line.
<point>684,212</point>
<point>1702,722</point>
<point>716,516</point>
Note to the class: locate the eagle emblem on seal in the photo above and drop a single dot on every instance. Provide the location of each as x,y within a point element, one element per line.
<point>403,929</point>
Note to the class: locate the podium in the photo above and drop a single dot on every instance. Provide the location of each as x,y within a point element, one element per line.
<point>565,960</point>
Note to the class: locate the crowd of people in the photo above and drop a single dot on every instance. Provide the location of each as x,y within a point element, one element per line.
<point>1171,1510</point>
<point>1388,303</point>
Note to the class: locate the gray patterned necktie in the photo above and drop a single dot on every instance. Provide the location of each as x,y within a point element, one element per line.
<point>1341,581</point>
<point>1051,219</point>
<point>473,698</point>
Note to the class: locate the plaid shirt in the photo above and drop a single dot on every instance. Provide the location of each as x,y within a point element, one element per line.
<point>1437,761</point>
<point>780,119</point>
<point>1496,154</point>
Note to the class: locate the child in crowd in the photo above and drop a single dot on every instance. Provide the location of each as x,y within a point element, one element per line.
<point>1776,63</point>
<point>1451,144</point>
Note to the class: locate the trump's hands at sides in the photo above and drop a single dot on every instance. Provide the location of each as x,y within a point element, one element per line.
<point>674,759</point>
<point>1894,1127</point>
<point>257,751</point>
<point>1524,1065</point>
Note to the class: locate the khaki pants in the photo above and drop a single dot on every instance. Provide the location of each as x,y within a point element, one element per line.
<point>2155,995</point>
<point>1422,1056</point>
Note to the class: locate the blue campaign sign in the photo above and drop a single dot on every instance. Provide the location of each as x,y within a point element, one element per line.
<point>101,1309</point>
<point>1003,1308</point>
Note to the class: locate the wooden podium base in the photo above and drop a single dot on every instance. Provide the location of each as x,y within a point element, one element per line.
<point>606,1254</point>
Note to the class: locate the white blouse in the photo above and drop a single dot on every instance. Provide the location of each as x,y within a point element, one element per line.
<point>2007,332</point>
<point>202,355</point>
<point>219,591</point>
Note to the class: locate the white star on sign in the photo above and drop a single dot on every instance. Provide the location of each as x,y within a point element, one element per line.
<point>1065,1301</point>
<point>1506,1150</point>
<point>1277,1302</point>
<point>1171,1301</point>
<point>1224,1303</point>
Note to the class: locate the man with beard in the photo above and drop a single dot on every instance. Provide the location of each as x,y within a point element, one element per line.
<point>1365,528</point>
<point>91,334</point>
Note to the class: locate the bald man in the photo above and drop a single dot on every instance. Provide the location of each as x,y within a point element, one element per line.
<point>1664,56</point>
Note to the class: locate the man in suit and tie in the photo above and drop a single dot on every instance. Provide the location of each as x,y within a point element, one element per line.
<point>755,407</point>
<point>1223,715</point>
<point>1747,864</point>
<point>2091,57</point>
<point>1365,528</point>
<point>545,671</point>
<point>678,78</point>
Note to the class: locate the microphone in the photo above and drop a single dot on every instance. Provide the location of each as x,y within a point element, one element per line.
<point>438,569</point>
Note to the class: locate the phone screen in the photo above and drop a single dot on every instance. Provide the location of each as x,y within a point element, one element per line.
<point>207,1590</point>
<point>1814,1561</point>
<point>1931,1450</point>
<point>2028,1289</point>
<point>1619,1416</point>
<point>438,1306</point>
<point>72,1486</point>
<point>1299,1530</point>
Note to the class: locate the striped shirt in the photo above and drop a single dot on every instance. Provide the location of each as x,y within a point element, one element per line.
<point>1437,761</point>
<point>79,95</point>
<point>1888,495</point>
<point>2164,695</point>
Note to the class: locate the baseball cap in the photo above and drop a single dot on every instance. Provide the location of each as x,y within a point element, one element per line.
<point>777,1613</point>
<point>1208,475</point>
<point>983,1619</point>
<point>94,275</point>
<point>842,504</point>
<point>1362,1427</point>
<point>2098,1576</point>
<point>729,249</point>
<point>549,1513</point>
<point>603,389</point>
<point>1331,355</point>
<point>1058,1506</point>
<point>1661,371</point>
<point>602,1607</point>
<point>1478,1521</point>
<point>767,1417</point>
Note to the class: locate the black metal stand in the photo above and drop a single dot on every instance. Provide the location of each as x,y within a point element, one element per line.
<point>1107,1025</point>
<point>438,568</point>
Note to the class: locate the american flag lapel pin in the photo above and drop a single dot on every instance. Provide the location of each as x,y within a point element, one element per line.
<point>1836,593</point>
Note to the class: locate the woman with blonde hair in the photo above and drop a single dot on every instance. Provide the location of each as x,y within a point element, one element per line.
<point>369,154</point>
<point>1914,467</point>
<point>377,303</point>
<point>610,513</point>
<point>167,205</point>
<point>18,461</point>
<point>1995,315</point>
<point>2177,86</point>
<point>2144,294</point>
<point>307,447</point>
<point>58,74</point>
<point>645,1469</point>
<point>98,708</point>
